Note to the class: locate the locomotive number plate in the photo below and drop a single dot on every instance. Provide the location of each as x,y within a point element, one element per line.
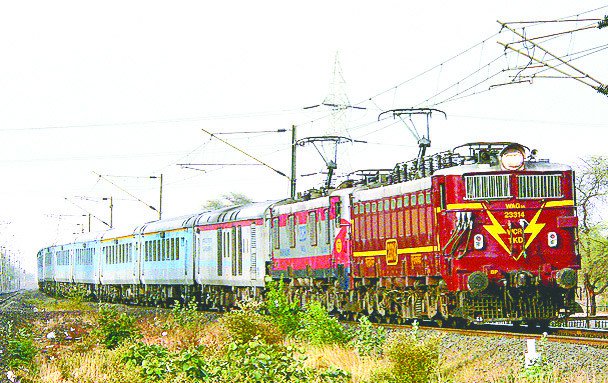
<point>515,214</point>
<point>391,252</point>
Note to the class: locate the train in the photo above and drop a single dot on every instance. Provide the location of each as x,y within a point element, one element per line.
<point>10,274</point>
<point>486,232</point>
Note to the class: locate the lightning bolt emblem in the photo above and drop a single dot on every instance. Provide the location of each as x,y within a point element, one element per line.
<point>495,230</point>
<point>533,229</point>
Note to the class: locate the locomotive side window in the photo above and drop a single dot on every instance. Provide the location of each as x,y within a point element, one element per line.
<point>393,218</point>
<point>381,221</point>
<point>415,222</point>
<point>367,210</point>
<point>312,227</point>
<point>428,198</point>
<point>420,199</point>
<point>338,217</point>
<point>327,226</point>
<point>406,201</point>
<point>291,230</point>
<point>386,205</point>
<point>413,200</point>
<point>275,233</point>
<point>374,222</point>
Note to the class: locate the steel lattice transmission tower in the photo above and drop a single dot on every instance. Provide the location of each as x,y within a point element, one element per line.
<point>337,100</point>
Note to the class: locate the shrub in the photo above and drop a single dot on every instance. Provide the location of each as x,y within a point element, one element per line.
<point>284,314</point>
<point>367,340</point>
<point>256,361</point>
<point>114,327</point>
<point>244,326</point>
<point>319,328</point>
<point>187,315</point>
<point>411,358</point>
<point>153,359</point>
<point>20,351</point>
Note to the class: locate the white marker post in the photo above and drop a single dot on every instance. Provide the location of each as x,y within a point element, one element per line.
<point>532,356</point>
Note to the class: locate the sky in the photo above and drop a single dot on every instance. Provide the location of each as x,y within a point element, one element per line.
<point>125,89</point>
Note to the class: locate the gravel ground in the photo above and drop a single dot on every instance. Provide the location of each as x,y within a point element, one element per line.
<point>491,357</point>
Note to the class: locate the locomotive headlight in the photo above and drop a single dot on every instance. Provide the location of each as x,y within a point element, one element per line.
<point>478,242</point>
<point>552,239</point>
<point>512,157</point>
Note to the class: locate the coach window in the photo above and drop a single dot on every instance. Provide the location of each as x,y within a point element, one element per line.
<point>173,257</point>
<point>291,230</point>
<point>312,227</point>
<point>220,266</point>
<point>177,248</point>
<point>157,252</point>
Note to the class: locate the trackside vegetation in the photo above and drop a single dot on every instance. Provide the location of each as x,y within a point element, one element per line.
<point>267,341</point>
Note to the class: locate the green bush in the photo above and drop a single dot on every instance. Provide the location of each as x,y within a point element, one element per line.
<point>114,327</point>
<point>284,314</point>
<point>367,340</point>
<point>20,351</point>
<point>244,326</point>
<point>153,359</point>
<point>319,328</point>
<point>187,314</point>
<point>412,359</point>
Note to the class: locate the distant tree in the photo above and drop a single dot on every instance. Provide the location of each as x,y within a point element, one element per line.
<point>592,194</point>
<point>228,199</point>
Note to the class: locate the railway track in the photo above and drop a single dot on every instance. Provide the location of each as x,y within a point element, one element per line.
<point>590,337</point>
<point>6,298</point>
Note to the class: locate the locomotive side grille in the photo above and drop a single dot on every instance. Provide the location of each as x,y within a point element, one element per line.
<point>540,186</point>
<point>487,186</point>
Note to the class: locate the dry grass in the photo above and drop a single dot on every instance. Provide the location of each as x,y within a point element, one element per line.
<point>99,366</point>
<point>344,358</point>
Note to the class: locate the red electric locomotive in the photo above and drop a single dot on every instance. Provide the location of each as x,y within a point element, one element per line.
<point>483,233</point>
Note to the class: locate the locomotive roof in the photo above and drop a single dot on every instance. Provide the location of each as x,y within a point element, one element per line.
<point>543,166</point>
